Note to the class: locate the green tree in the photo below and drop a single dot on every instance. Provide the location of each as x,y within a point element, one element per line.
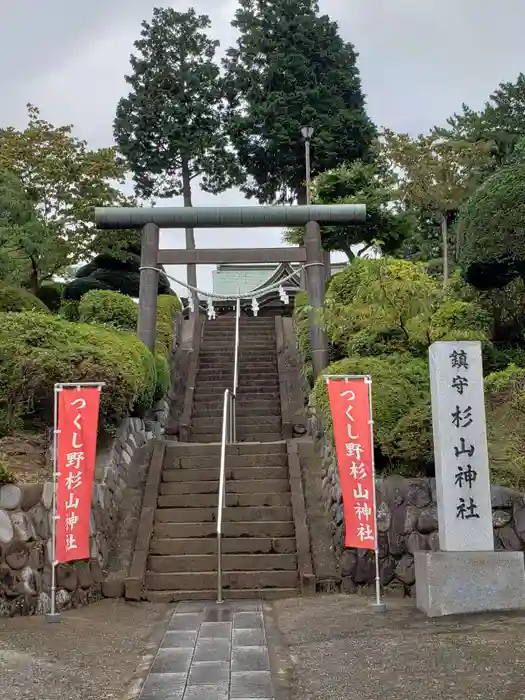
<point>290,68</point>
<point>491,225</point>
<point>170,126</point>
<point>29,255</point>
<point>358,183</point>
<point>435,175</point>
<point>64,181</point>
<point>501,122</point>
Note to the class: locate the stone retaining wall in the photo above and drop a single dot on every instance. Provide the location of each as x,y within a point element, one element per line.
<point>26,521</point>
<point>407,522</point>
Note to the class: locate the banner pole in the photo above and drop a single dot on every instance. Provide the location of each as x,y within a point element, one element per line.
<point>53,616</point>
<point>378,606</point>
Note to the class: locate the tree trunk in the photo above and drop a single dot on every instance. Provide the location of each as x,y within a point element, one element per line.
<point>444,235</point>
<point>34,281</point>
<point>191,270</point>
<point>347,250</point>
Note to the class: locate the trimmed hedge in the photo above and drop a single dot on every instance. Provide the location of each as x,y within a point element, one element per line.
<point>108,308</point>
<point>167,306</point>
<point>38,350</point>
<point>18,299</point>
<point>491,226</point>
<point>505,399</point>
<point>399,382</point>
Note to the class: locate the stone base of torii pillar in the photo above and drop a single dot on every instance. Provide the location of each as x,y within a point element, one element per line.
<point>452,583</point>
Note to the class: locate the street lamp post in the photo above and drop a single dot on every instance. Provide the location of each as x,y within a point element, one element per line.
<point>307,132</point>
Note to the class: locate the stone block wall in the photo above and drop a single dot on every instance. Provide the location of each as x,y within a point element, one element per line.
<point>26,522</point>
<point>406,521</point>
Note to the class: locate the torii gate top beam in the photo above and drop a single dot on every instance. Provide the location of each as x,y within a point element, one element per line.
<point>227,217</point>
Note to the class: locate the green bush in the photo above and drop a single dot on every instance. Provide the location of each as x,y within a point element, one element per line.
<point>167,306</point>
<point>505,399</point>
<point>491,227</point>
<point>17,299</point>
<point>6,475</point>
<point>69,309</point>
<point>455,316</point>
<point>399,382</point>
<point>162,371</point>
<point>302,328</point>
<point>109,308</point>
<point>37,351</point>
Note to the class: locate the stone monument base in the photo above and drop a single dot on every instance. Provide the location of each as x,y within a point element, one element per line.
<point>451,583</point>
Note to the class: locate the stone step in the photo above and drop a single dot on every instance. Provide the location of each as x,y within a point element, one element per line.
<point>260,528</point>
<point>167,597</point>
<point>192,563</point>
<point>226,351</point>
<point>228,334</point>
<point>202,409</point>
<point>206,580</point>
<point>251,486</point>
<point>209,515</point>
<point>189,449</point>
<point>237,474</point>
<point>209,500</point>
<point>211,392</point>
<point>264,423</point>
<point>241,435</point>
<point>244,322</point>
<point>246,383</point>
<point>215,369</point>
<point>230,545</point>
<point>173,461</point>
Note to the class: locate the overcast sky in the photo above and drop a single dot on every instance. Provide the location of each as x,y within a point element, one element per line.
<point>419,60</point>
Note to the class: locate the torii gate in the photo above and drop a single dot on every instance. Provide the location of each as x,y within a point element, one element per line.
<point>151,219</point>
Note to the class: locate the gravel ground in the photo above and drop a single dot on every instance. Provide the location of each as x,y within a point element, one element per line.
<point>342,651</point>
<point>94,653</point>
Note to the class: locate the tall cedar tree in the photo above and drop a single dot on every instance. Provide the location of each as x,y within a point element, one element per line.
<point>170,126</point>
<point>290,68</point>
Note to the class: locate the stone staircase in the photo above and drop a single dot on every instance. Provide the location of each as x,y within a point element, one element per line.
<point>259,545</point>
<point>258,402</point>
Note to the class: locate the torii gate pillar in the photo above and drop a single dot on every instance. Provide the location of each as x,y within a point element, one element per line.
<point>315,286</point>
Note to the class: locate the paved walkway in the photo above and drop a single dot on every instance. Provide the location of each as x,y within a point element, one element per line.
<point>212,652</point>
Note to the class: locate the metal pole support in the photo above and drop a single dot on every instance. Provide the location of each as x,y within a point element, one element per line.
<point>315,284</point>
<point>149,286</point>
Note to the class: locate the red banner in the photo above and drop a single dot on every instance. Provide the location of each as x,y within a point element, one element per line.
<point>350,407</point>
<point>77,445</point>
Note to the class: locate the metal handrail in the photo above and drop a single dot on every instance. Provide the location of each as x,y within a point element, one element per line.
<point>228,435</point>
<point>235,370</point>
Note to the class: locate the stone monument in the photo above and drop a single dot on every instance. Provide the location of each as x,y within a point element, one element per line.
<point>466,575</point>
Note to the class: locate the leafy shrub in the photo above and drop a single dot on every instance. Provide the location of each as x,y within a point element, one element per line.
<point>167,306</point>
<point>491,225</point>
<point>69,309</point>
<point>18,299</point>
<point>6,475</point>
<point>459,317</point>
<point>109,308</point>
<point>78,287</point>
<point>162,372</point>
<point>302,328</point>
<point>37,351</point>
<point>505,399</point>
<point>399,382</point>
